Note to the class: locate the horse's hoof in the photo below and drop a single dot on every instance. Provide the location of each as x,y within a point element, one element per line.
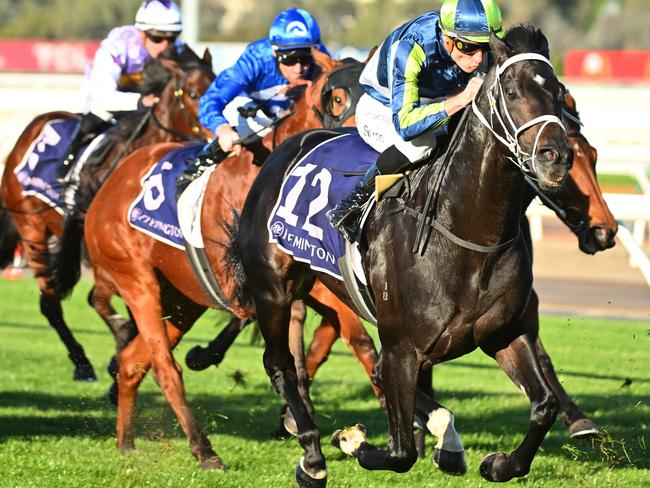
<point>84,372</point>
<point>450,462</point>
<point>584,429</point>
<point>112,368</point>
<point>305,481</point>
<point>196,359</point>
<point>112,394</point>
<point>496,467</point>
<point>213,462</point>
<point>349,439</point>
<point>289,423</point>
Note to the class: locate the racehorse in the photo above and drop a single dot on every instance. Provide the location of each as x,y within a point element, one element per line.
<point>179,81</point>
<point>472,268</point>
<point>156,280</point>
<point>583,209</point>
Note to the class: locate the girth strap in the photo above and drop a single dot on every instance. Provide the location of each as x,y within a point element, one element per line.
<point>433,223</point>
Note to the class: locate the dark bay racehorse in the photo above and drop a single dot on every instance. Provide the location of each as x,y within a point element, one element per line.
<point>156,280</point>
<point>583,210</point>
<point>466,287</point>
<point>179,81</point>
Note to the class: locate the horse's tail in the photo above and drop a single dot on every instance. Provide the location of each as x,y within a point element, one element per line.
<point>234,266</point>
<point>8,237</point>
<point>66,262</point>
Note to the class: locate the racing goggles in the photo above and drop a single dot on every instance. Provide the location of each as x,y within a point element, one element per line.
<point>295,56</point>
<point>157,39</point>
<point>470,48</point>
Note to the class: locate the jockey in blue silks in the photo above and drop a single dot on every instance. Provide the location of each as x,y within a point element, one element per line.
<point>245,99</point>
<point>117,68</point>
<point>418,78</point>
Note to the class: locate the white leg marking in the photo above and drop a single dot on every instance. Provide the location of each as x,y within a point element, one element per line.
<point>441,425</point>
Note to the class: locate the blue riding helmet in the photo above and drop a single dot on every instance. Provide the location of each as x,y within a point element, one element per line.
<point>294,28</point>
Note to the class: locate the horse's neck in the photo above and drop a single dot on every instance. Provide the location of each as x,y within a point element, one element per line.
<point>481,192</point>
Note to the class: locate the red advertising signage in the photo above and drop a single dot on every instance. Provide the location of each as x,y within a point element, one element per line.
<point>608,66</point>
<point>46,56</point>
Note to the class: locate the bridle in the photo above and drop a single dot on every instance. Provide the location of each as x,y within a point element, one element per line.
<point>190,117</point>
<point>523,160</point>
<point>342,78</point>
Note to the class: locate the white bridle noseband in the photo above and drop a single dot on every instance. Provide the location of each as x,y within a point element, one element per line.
<point>511,140</point>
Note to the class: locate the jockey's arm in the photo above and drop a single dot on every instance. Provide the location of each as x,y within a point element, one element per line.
<point>105,94</point>
<point>229,84</point>
<point>410,117</point>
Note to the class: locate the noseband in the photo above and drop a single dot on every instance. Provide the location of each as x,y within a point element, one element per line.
<point>511,141</point>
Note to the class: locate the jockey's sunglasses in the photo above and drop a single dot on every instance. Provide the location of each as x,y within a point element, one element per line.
<point>291,58</point>
<point>470,47</point>
<point>158,39</point>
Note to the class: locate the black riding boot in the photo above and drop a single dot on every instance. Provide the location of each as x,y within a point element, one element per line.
<point>89,126</point>
<point>209,155</point>
<point>345,216</point>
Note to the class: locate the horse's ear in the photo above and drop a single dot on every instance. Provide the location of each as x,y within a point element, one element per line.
<point>542,47</point>
<point>371,54</point>
<point>207,57</point>
<point>499,48</point>
<point>323,60</point>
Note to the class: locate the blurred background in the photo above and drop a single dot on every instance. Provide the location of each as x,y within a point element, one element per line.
<point>600,49</point>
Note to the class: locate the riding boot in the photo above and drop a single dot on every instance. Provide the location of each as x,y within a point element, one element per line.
<point>89,125</point>
<point>209,155</point>
<point>346,215</point>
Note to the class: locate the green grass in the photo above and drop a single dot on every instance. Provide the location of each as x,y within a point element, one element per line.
<point>57,433</point>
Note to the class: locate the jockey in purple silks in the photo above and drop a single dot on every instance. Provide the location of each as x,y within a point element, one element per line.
<point>117,67</point>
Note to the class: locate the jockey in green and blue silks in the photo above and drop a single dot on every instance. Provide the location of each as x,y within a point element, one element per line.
<point>416,80</point>
<point>260,77</point>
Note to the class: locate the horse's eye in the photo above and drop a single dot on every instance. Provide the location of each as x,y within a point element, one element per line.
<point>193,95</point>
<point>338,100</point>
<point>510,92</point>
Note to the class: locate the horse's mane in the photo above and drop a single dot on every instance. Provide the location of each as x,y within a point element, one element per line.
<point>526,38</point>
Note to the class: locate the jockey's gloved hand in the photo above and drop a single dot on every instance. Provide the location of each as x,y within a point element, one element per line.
<point>209,154</point>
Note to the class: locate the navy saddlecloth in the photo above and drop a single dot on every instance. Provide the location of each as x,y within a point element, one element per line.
<point>298,223</point>
<point>37,171</point>
<point>154,212</point>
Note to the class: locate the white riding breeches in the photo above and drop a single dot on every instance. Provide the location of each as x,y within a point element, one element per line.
<point>260,124</point>
<point>375,125</point>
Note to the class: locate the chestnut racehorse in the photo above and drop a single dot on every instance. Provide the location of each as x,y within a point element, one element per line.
<point>156,281</point>
<point>179,81</point>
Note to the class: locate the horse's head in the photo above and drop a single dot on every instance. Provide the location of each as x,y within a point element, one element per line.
<point>179,79</point>
<point>525,97</point>
<point>585,211</point>
<point>329,101</point>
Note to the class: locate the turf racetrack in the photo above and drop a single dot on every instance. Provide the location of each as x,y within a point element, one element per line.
<point>57,433</point>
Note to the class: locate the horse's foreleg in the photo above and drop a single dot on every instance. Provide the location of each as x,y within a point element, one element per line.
<point>578,423</point>
<point>399,378</point>
<point>199,358</point>
<point>274,320</point>
<point>449,454</point>
<point>519,361</point>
